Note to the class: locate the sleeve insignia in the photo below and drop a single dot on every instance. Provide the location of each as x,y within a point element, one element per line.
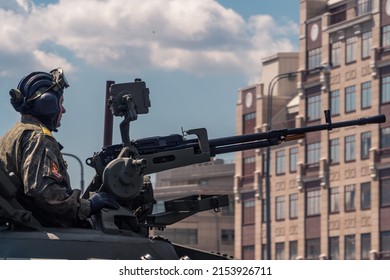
<point>55,172</point>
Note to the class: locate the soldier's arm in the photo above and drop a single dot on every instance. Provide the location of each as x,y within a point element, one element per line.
<point>46,180</point>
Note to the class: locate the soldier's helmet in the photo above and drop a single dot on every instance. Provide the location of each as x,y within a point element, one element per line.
<point>38,94</point>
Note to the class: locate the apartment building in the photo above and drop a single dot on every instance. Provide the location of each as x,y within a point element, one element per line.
<point>330,191</point>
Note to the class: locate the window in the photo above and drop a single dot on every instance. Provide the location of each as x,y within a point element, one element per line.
<point>249,122</point>
<point>313,153</point>
<point>366,44</point>
<point>248,252</point>
<point>366,95</point>
<point>293,213</point>
<point>363,7</point>
<point>293,159</point>
<point>349,150</point>
<point>227,236</point>
<point>350,194</point>
<point>314,107</point>
<point>250,159</point>
<point>335,102</point>
<point>313,249</point>
<point>385,192</point>
<point>386,36</point>
<point>280,162</point>
<point>248,211</point>
<point>334,151</point>
<point>385,94</point>
<point>280,208</point>
<point>385,137</point>
<point>349,242</point>
<point>365,196</point>
<point>350,99</point>
<point>365,145</point>
<point>248,165</point>
<point>334,250</point>
<point>293,250</point>
<point>338,14</point>
<point>314,58</point>
<point>250,116</point>
<point>350,50</point>
<point>336,54</point>
<point>365,245</point>
<point>334,200</point>
<point>385,241</point>
<point>313,202</point>
<point>279,251</point>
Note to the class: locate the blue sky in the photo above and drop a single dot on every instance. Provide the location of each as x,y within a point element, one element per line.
<point>194,55</point>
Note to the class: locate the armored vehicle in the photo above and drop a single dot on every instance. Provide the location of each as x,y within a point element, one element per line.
<point>122,170</point>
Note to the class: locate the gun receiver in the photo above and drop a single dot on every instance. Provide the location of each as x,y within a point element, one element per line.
<point>124,166</point>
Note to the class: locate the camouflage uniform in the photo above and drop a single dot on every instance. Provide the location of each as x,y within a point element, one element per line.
<point>32,153</point>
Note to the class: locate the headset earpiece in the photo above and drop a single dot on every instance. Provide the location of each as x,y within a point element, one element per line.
<point>16,95</point>
<point>17,99</point>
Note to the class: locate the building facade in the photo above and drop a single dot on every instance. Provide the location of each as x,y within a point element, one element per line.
<point>330,191</point>
<point>208,230</point>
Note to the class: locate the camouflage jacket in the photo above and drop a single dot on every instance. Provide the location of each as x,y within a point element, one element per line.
<point>31,152</point>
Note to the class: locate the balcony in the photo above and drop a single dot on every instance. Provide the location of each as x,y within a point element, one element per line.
<point>286,124</point>
<point>349,14</point>
<point>247,181</point>
<point>384,153</point>
<point>338,14</point>
<point>347,11</point>
<point>311,169</point>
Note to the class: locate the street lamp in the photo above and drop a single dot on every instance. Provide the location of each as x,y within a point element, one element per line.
<point>271,86</point>
<point>81,170</point>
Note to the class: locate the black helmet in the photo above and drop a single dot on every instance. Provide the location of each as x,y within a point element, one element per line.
<point>38,94</point>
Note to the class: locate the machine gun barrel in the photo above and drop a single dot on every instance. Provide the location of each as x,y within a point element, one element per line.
<point>275,137</point>
<point>245,142</point>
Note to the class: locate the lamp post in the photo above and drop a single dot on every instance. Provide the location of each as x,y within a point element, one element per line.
<point>81,170</point>
<point>273,82</point>
<point>271,86</point>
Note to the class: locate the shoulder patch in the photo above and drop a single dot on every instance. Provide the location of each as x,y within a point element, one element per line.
<point>52,166</point>
<point>55,172</point>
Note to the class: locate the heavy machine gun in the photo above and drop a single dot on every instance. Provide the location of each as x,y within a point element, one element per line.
<point>123,167</point>
<point>122,170</point>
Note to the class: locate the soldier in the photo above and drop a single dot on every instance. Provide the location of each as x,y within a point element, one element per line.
<point>32,155</point>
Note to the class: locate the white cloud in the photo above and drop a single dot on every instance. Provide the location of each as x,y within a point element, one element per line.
<point>196,36</point>
<point>16,5</point>
<point>25,5</point>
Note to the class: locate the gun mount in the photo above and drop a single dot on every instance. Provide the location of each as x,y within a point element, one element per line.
<point>122,170</point>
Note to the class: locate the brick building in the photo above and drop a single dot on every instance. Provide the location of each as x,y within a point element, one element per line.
<point>330,192</point>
